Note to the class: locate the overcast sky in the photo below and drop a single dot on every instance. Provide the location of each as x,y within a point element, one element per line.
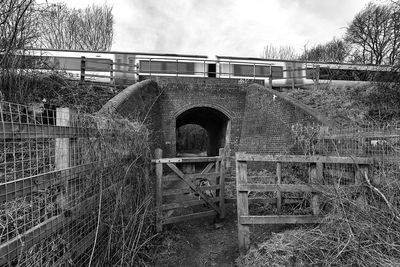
<point>225,27</point>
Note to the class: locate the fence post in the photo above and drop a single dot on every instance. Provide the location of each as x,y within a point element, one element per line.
<point>242,205</point>
<point>83,67</point>
<point>361,170</point>
<point>316,173</point>
<point>62,152</point>
<point>221,182</point>
<point>159,174</point>
<point>279,181</point>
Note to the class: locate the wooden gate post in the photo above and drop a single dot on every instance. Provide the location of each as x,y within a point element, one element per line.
<point>159,174</point>
<point>62,153</point>
<point>221,182</point>
<point>242,205</point>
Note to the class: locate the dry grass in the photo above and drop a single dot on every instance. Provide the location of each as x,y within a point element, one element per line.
<point>117,151</point>
<point>360,228</point>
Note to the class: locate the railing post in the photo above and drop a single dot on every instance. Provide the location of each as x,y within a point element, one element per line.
<point>221,182</point>
<point>83,67</point>
<point>317,74</point>
<point>254,72</point>
<point>112,73</point>
<point>279,181</point>
<point>270,81</point>
<point>242,205</point>
<point>159,174</point>
<point>150,67</point>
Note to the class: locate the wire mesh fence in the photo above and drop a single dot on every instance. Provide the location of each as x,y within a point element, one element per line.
<point>62,181</point>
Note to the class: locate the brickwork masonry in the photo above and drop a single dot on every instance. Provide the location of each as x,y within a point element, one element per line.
<point>260,119</point>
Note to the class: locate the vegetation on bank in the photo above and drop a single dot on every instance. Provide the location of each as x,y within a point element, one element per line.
<point>374,103</point>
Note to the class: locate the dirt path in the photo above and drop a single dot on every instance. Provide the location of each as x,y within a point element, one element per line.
<point>199,243</point>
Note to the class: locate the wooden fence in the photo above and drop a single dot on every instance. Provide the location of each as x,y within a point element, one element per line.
<point>55,168</point>
<point>314,186</point>
<point>189,182</point>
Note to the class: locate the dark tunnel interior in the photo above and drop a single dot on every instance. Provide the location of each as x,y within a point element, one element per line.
<point>211,134</point>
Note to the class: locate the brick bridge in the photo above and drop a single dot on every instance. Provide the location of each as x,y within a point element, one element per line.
<point>238,114</point>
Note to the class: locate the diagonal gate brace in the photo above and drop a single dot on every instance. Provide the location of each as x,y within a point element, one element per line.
<point>193,187</point>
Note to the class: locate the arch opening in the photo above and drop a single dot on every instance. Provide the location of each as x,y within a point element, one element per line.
<point>191,139</point>
<point>207,127</point>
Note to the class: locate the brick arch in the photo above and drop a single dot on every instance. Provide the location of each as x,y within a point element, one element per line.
<point>230,115</point>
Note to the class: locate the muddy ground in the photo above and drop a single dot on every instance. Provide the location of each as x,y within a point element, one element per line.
<point>200,243</point>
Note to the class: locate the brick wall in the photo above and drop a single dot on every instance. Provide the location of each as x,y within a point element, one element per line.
<point>260,119</point>
<point>268,120</point>
<point>181,94</point>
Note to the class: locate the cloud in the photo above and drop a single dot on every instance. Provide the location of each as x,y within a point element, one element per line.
<point>227,27</point>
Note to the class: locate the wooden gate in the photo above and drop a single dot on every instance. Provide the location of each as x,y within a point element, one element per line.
<point>191,185</point>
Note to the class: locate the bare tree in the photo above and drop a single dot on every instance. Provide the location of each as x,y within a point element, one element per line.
<point>281,52</point>
<point>81,29</point>
<point>18,28</point>
<point>375,35</point>
<point>335,50</point>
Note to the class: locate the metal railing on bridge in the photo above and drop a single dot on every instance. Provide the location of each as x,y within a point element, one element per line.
<point>124,73</point>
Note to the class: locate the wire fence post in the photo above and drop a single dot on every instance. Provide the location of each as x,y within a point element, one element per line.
<point>278,181</point>
<point>159,173</point>
<point>316,173</point>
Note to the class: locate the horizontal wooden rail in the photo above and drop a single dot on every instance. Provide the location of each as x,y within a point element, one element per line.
<point>187,160</point>
<point>306,188</point>
<point>180,191</point>
<point>280,219</point>
<point>188,203</point>
<point>266,200</point>
<point>23,130</point>
<point>32,184</point>
<point>274,187</point>
<point>174,177</point>
<point>302,159</point>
